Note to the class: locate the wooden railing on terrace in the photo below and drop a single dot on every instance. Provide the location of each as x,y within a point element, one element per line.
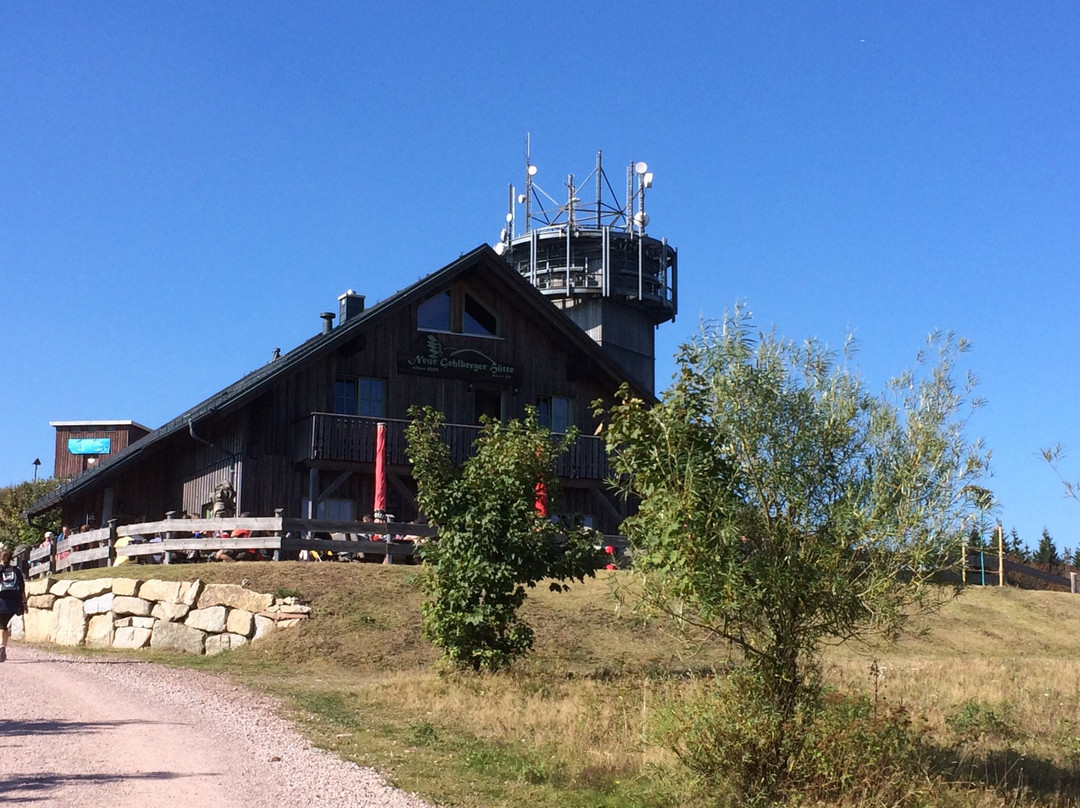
<point>351,438</point>
<point>282,538</point>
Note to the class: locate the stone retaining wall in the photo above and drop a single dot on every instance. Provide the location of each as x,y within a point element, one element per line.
<point>188,616</point>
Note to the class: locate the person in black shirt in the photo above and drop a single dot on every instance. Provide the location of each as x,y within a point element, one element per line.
<point>12,597</point>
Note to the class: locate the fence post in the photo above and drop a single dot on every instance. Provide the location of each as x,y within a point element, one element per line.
<point>52,554</point>
<point>111,560</point>
<point>1001,556</point>
<point>963,563</point>
<point>278,514</point>
<point>166,556</point>
<point>1072,582</point>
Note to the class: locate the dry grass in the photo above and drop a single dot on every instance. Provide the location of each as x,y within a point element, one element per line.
<point>569,725</point>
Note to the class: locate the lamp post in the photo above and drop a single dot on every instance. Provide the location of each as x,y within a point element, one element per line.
<point>37,462</point>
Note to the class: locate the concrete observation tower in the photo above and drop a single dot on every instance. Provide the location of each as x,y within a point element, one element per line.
<point>595,261</point>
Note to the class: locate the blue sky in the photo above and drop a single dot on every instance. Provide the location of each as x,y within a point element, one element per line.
<point>185,186</point>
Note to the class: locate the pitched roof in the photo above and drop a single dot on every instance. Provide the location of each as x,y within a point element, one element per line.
<point>255,383</point>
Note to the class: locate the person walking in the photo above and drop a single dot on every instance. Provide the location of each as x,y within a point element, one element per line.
<point>12,597</point>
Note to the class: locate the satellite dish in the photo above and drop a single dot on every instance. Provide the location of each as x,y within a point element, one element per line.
<point>509,218</point>
<point>521,199</point>
<point>641,167</point>
<point>502,235</point>
<point>500,248</point>
<point>646,180</point>
<point>641,219</point>
<point>532,171</point>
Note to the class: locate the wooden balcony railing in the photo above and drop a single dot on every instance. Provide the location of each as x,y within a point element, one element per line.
<point>351,439</point>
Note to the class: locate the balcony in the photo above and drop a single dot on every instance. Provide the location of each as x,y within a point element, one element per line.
<point>351,439</point>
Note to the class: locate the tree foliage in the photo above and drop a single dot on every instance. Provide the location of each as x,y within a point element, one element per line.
<point>1047,551</point>
<point>493,543</point>
<point>782,505</point>
<point>14,500</point>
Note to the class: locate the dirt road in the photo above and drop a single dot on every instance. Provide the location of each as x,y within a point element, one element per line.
<point>118,733</point>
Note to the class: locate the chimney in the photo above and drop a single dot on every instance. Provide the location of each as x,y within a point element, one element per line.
<point>350,304</point>
<point>327,321</point>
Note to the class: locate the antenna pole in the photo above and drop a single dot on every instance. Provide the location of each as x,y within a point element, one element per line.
<point>528,186</point>
<point>599,188</point>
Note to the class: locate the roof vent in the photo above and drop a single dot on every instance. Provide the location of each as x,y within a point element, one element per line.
<point>350,304</point>
<point>327,321</point>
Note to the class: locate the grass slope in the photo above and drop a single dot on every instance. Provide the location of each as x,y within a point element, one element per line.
<point>993,674</point>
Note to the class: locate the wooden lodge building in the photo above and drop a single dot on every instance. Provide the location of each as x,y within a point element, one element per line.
<point>474,338</point>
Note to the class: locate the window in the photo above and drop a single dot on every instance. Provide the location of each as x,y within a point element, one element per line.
<point>553,412</point>
<point>476,319</point>
<point>364,396</point>
<point>340,510</point>
<point>458,312</point>
<point>434,314</point>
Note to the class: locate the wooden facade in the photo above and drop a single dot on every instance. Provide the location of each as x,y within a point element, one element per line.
<point>473,338</point>
<point>70,460</point>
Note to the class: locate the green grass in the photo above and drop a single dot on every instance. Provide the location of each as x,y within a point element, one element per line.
<point>992,674</point>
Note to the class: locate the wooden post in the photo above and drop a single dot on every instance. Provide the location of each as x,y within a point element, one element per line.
<point>278,513</point>
<point>1001,556</point>
<point>1072,582</point>
<point>111,560</point>
<point>963,562</point>
<point>166,557</point>
<point>52,554</point>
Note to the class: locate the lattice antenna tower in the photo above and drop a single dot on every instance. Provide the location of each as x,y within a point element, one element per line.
<point>595,260</point>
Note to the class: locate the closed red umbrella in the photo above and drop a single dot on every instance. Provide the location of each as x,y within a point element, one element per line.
<point>380,467</point>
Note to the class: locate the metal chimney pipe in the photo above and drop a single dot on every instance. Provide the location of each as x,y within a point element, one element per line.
<point>328,321</point>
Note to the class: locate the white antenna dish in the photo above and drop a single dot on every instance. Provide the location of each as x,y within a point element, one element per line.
<point>521,199</point>
<point>509,218</point>
<point>641,167</point>
<point>641,219</point>
<point>532,171</point>
<point>646,179</point>
<point>500,248</point>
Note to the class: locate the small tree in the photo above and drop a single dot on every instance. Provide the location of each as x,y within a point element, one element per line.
<point>783,506</point>
<point>1047,552</point>
<point>493,542</point>
<point>14,500</point>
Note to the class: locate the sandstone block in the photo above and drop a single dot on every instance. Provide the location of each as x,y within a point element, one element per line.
<point>99,631</point>
<point>39,625</point>
<point>173,612</point>
<point>60,588</point>
<point>191,595</point>
<point>235,597</point>
<point>211,619</point>
<point>135,606</point>
<point>263,626</point>
<point>40,601</point>
<point>100,604</point>
<point>167,591</point>
<point>143,622</point>
<point>70,622</point>
<point>15,626</point>
<point>126,587</point>
<point>240,621</point>
<point>122,622</point>
<point>177,637</point>
<point>90,589</point>
<point>216,643</point>
<point>131,637</point>
<point>39,586</point>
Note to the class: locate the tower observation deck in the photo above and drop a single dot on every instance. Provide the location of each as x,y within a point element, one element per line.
<point>596,262</point>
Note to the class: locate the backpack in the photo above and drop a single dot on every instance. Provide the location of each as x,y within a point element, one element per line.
<point>9,580</point>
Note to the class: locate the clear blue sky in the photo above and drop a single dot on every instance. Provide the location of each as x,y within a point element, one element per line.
<point>185,186</point>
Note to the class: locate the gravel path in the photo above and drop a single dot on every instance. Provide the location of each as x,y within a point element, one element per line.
<point>117,733</point>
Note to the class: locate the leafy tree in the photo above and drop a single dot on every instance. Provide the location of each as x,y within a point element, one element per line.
<point>493,543</point>
<point>783,506</point>
<point>1047,552</point>
<point>14,500</point>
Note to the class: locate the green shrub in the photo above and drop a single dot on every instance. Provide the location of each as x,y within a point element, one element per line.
<point>975,720</point>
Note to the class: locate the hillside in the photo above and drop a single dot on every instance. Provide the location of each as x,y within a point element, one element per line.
<point>570,725</point>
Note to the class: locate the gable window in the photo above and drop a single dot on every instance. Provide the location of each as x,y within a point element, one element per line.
<point>360,396</point>
<point>553,412</point>
<point>475,319</point>
<point>456,311</point>
<point>434,314</point>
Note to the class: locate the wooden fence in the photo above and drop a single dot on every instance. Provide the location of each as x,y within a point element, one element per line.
<point>171,540</point>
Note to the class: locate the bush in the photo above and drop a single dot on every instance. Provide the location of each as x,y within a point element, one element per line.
<point>839,748</point>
